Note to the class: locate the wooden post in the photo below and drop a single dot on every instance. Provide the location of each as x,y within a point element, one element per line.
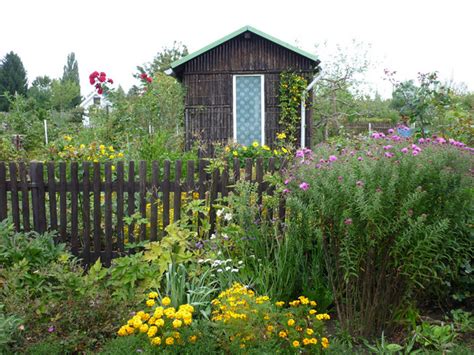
<point>14,196</point>
<point>38,200</point>
<point>86,215</point>
<point>142,204</point>
<point>25,205</point>
<point>3,192</point>
<point>120,182</point>
<point>62,202</point>
<point>155,185</point>
<point>74,209</point>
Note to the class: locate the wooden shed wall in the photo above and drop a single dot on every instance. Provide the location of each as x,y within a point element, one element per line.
<point>208,81</point>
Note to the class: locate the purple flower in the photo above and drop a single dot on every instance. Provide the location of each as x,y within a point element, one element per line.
<point>415,153</point>
<point>348,221</point>
<point>390,131</point>
<point>287,181</point>
<point>404,150</point>
<point>421,140</point>
<point>360,158</point>
<point>300,153</point>
<point>340,178</point>
<point>332,158</point>
<point>387,147</point>
<point>199,245</point>
<point>376,135</point>
<point>286,191</point>
<point>360,183</point>
<point>322,161</point>
<point>396,138</point>
<point>304,186</point>
<point>51,329</point>
<point>388,154</point>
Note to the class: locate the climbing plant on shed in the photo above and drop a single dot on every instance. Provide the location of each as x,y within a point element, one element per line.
<point>291,89</point>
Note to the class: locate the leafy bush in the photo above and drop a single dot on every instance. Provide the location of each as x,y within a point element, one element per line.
<point>9,328</point>
<point>390,218</point>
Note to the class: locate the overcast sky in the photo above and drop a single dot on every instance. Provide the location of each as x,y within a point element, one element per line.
<point>408,36</point>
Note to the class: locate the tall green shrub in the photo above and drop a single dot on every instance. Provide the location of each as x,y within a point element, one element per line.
<point>392,220</point>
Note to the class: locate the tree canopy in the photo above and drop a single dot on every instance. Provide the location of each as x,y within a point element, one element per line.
<point>12,79</point>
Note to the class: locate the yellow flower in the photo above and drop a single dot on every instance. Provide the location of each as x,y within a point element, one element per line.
<point>111,156</point>
<point>306,341</point>
<point>82,146</point>
<point>113,167</point>
<point>235,153</point>
<point>280,303</point>
<point>309,331</point>
<point>158,312</point>
<point>166,301</point>
<point>281,135</point>
<point>160,322</point>
<point>152,294</point>
<point>266,147</point>
<point>227,149</point>
<point>169,341</point>
<point>282,334</point>
<point>313,304</point>
<point>255,144</point>
<point>150,303</point>
<point>291,322</point>
<point>156,341</point>
<point>314,341</point>
<point>102,147</point>
<point>244,148</point>
<point>152,331</point>
<point>325,342</point>
<point>177,323</point>
<point>296,343</point>
<point>284,150</point>
<point>111,148</point>
<point>144,328</point>
<point>120,155</point>
<point>122,331</point>
<point>192,338</point>
<point>176,335</point>
<point>129,329</point>
<point>270,328</point>
<point>312,311</point>
<point>68,138</point>
<point>137,323</point>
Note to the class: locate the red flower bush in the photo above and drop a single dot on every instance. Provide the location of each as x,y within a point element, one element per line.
<point>100,81</point>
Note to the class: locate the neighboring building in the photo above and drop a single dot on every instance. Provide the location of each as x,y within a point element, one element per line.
<point>232,87</point>
<point>93,100</point>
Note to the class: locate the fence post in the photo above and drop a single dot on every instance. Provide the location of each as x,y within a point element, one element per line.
<point>37,197</point>
<point>3,192</point>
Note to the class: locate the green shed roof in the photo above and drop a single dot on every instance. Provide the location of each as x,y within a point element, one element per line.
<point>193,55</point>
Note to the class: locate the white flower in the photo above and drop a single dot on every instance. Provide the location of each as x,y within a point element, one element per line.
<point>228,261</point>
<point>200,261</point>
<point>219,270</point>
<point>219,212</point>
<point>228,216</point>
<point>240,262</point>
<point>228,268</point>
<point>225,236</point>
<point>219,252</point>
<point>235,270</point>
<point>213,236</point>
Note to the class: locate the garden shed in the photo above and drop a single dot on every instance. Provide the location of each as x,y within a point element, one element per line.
<point>232,87</point>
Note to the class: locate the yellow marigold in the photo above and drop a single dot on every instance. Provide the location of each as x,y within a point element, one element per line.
<point>235,153</point>
<point>265,147</point>
<point>166,301</point>
<point>122,331</point>
<point>312,311</point>
<point>129,329</point>
<point>160,322</point>
<point>313,303</point>
<point>325,342</point>
<point>176,335</point>
<point>255,144</point>
<point>192,338</point>
<point>309,331</point>
<point>120,155</point>
<point>102,147</point>
<point>144,328</point>
<point>306,341</point>
<point>177,323</point>
<point>282,334</point>
<point>270,328</point>
<point>152,320</point>
<point>152,294</point>
<point>296,343</point>
<point>169,341</point>
<point>291,322</point>
<point>158,312</point>
<point>281,135</point>
<point>156,341</point>
<point>68,138</point>
<point>303,299</point>
<point>227,149</point>
<point>169,312</point>
<point>314,341</point>
<point>137,322</point>
<point>280,303</point>
<point>111,148</point>
<point>152,331</point>
<point>150,303</point>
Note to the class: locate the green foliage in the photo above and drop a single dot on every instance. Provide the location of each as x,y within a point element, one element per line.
<point>12,79</point>
<point>382,347</point>
<point>9,328</point>
<point>389,229</point>
<point>165,57</point>
<point>292,86</point>
<point>71,74</point>
<point>435,337</point>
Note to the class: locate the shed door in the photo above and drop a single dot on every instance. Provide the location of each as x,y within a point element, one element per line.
<point>249,110</point>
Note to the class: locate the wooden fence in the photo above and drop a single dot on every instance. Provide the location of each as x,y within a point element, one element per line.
<point>86,203</point>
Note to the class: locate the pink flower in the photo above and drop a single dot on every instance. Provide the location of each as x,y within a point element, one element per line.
<point>387,147</point>
<point>286,191</point>
<point>348,221</point>
<point>404,150</point>
<point>388,154</point>
<point>359,183</point>
<point>415,153</point>
<point>332,158</point>
<point>300,153</point>
<point>390,131</point>
<point>360,158</point>
<point>304,186</point>
<point>287,181</point>
<point>340,178</point>
<point>421,140</point>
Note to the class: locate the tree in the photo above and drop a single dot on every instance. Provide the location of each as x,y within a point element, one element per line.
<point>71,74</point>
<point>163,59</point>
<point>12,79</point>
<point>41,92</point>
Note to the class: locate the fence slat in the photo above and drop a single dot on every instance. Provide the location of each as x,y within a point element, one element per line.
<point>86,215</point>
<point>3,192</point>
<point>97,212</point>
<point>236,170</point>
<point>270,189</point>
<point>259,178</point>
<point>39,211</point>
<point>108,213</point>
<point>74,209</point>
<point>25,199</point>
<point>131,199</point>
<point>248,169</point>
<point>225,182</point>
<point>177,191</point>
<point>166,194</point>
<point>120,242</point>
<point>53,212</point>
<point>155,183</point>
<point>190,178</point>
<point>142,184</point>
<point>62,202</point>
<point>202,179</point>
<point>15,205</point>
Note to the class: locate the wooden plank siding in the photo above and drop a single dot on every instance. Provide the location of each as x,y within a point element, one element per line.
<point>208,82</point>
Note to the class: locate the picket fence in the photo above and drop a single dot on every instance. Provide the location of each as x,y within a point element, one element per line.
<point>87,204</point>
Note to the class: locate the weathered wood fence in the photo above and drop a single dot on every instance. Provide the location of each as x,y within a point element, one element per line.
<point>87,203</point>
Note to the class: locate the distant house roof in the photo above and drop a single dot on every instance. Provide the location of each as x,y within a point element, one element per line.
<point>193,55</point>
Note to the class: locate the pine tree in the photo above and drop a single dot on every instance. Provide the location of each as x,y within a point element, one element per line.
<point>12,79</point>
<point>71,74</point>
